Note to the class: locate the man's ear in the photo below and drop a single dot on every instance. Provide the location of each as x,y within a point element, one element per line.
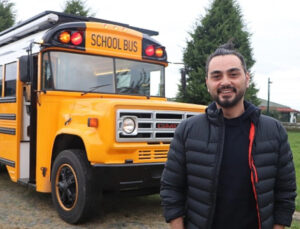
<point>248,79</point>
<point>206,83</point>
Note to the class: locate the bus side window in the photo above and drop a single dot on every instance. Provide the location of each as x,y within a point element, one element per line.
<point>10,79</point>
<point>1,76</point>
<point>47,79</point>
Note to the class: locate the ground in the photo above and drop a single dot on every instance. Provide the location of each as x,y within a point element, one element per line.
<point>22,208</point>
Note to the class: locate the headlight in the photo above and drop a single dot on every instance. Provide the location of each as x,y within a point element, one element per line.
<point>129,125</point>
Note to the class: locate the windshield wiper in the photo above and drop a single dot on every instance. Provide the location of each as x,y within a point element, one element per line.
<point>94,88</point>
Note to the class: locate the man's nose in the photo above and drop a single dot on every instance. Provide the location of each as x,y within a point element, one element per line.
<point>225,80</point>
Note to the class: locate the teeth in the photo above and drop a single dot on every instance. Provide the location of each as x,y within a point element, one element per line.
<point>226,91</point>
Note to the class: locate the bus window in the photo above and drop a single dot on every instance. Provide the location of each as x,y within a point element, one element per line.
<point>1,75</point>
<point>47,80</point>
<point>155,77</point>
<point>139,78</point>
<point>77,72</point>
<point>10,79</point>
<point>81,72</point>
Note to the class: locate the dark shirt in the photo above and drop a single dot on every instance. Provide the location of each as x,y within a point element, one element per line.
<point>235,205</point>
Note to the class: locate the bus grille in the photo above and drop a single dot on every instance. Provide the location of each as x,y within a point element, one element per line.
<point>145,155</point>
<point>152,126</point>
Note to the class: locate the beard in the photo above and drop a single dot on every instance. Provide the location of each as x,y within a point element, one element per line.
<point>228,102</point>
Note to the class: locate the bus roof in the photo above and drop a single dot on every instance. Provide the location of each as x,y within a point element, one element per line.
<point>59,19</point>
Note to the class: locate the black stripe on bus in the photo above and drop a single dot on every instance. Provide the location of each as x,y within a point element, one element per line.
<point>10,131</point>
<point>8,100</point>
<point>7,162</point>
<point>8,116</point>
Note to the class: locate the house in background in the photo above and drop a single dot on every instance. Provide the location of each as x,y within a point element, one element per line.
<point>279,111</point>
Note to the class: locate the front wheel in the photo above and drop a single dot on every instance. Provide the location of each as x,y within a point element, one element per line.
<point>2,168</point>
<point>74,192</point>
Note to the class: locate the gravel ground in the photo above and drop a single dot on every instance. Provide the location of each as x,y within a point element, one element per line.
<point>22,207</point>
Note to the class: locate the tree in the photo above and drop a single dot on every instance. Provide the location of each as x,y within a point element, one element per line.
<point>272,113</point>
<point>7,16</point>
<point>223,22</point>
<point>77,7</point>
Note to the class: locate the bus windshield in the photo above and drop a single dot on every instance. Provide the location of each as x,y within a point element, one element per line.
<point>90,73</point>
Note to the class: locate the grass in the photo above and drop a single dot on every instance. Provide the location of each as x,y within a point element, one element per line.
<point>294,139</point>
<point>295,225</point>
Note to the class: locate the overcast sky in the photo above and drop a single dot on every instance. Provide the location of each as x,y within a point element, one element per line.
<point>274,25</point>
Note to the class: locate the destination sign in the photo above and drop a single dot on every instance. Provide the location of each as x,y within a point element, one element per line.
<point>111,42</point>
<point>108,41</point>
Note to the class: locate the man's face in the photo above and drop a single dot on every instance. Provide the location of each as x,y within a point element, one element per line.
<point>226,80</point>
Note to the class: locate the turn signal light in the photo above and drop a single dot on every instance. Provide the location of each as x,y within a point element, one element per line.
<point>64,37</point>
<point>93,122</point>
<point>159,52</point>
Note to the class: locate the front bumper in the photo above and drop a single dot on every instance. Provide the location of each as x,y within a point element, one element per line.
<point>129,177</point>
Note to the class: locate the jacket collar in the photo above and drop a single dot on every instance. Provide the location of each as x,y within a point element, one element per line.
<point>216,117</point>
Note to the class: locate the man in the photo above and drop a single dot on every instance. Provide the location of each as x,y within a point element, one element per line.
<point>230,167</point>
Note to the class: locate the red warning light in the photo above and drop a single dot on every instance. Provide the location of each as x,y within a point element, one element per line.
<point>76,38</point>
<point>150,50</point>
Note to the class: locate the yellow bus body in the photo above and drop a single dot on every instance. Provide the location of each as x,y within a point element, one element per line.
<point>39,121</point>
<point>56,108</point>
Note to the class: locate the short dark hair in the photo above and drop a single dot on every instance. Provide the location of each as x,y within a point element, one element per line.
<point>226,49</point>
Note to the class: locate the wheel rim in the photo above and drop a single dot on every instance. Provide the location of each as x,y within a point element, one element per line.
<point>66,186</point>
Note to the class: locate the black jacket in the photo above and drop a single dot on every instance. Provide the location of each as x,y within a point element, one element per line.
<point>189,180</point>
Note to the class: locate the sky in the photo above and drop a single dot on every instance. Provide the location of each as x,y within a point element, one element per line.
<point>274,25</point>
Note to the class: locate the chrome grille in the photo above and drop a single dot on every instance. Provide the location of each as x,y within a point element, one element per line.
<point>152,126</point>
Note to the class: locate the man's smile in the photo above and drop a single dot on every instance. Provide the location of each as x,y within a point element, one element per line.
<point>226,90</point>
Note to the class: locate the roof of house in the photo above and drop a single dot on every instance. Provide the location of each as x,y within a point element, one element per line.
<point>276,106</point>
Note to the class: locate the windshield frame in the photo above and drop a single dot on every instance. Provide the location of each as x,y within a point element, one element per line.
<point>47,54</point>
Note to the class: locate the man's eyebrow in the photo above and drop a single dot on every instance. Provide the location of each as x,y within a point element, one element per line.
<point>233,70</point>
<point>229,71</point>
<point>215,72</point>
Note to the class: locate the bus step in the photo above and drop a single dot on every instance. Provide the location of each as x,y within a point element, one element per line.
<point>25,182</point>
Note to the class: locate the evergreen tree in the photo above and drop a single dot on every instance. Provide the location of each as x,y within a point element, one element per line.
<point>7,16</point>
<point>223,22</point>
<point>77,7</point>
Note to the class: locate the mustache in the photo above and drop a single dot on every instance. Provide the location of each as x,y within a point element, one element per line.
<point>225,88</point>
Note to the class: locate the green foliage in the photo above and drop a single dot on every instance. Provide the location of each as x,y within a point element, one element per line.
<point>295,225</point>
<point>223,22</point>
<point>272,113</point>
<point>7,16</point>
<point>77,7</point>
<point>294,140</point>
<point>283,117</point>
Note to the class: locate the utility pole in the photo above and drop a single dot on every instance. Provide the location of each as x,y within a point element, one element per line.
<point>268,104</point>
<point>183,80</point>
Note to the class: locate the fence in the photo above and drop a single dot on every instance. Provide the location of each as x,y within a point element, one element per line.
<point>291,126</point>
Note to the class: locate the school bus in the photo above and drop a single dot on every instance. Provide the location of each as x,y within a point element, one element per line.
<point>83,109</point>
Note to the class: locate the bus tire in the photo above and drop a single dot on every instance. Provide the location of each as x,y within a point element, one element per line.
<point>2,168</point>
<point>74,192</point>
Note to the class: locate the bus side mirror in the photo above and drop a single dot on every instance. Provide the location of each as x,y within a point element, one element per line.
<point>24,68</point>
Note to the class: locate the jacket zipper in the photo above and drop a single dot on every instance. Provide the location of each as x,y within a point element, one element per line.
<point>254,177</point>
<point>220,151</point>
